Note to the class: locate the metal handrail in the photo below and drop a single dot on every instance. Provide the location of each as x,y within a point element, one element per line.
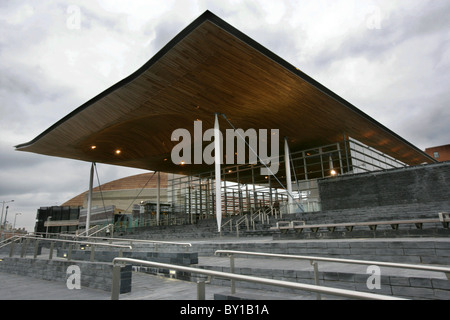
<point>82,242</point>
<point>313,260</point>
<point>87,231</point>
<point>103,228</point>
<point>184,244</point>
<point>445,270</point>
<point>230,222</point>
<point>238,223</point>
<point>280,283</point>
<point>71,242</point>
<point>9,240</point>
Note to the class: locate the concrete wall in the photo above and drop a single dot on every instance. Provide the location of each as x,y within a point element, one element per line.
<point>428,184</point>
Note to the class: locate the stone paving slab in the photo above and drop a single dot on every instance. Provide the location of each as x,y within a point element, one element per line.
<point>145,287</point>
<point>16,287</point>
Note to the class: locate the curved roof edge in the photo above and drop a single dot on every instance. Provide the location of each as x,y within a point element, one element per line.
<point>209,16</point>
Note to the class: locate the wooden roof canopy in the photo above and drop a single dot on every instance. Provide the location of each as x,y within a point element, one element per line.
<point>210,67</point>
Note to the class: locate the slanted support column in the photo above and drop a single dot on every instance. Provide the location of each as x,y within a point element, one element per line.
<point>288,175</point>
<point>217,160</point>
<point>88,214</point>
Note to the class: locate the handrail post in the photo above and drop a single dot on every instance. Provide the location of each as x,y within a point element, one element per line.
<point>201,290</point>
<point>23,253</point>
<point>11,249</point>
<point>316,276</point>
<point>233,284</point>
<point>36,248</point>
<point>50,255</point>
<point>92,253</point>
<point>115,287</point>
<point>69,253</point>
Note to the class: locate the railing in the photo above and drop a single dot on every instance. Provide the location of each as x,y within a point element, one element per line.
<point>111,225</point>
<point>155,243</point>
<point>119,262</point>
<point>8,241</point>
<point>239,222</point>
<point>88,231</point>
<point>52,242</point>
<point>314,262</point>
<point>262,215</point>
<point>230,222</point>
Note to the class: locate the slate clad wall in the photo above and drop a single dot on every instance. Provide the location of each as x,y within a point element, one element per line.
<point>179,258</point>
<point>93,275</point>
<point>428,184</point>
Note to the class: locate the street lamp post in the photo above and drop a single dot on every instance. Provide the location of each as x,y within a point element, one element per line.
<point>3,208</point>
<point>14,226</point>
<point>6,215</point>
<point>2,225</point>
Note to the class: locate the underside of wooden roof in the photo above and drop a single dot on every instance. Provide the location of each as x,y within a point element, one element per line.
<point>210,67</point>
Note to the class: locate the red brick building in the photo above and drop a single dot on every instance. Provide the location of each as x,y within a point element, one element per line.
<point>440,153</point>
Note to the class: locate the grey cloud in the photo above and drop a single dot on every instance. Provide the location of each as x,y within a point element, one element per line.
<point>426,19</point>
<point>36,180</point>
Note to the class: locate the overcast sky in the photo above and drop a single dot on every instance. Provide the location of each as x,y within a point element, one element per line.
<point>391,59</point>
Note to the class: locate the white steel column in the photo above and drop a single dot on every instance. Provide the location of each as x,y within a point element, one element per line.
<point>88,214</point>
<point>217,160</point>
<point>288,175</point>
<point>158,197</point>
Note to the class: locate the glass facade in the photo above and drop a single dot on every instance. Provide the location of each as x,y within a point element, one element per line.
<point>59,219</point>
<point>244,190</point>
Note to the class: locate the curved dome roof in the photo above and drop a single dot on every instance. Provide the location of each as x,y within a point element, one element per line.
<point>138,181</point>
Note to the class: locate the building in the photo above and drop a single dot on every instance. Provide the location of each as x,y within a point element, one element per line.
<point>440,153</point>
<point>124,202</point>
<point>57,219</point>
<point>211,75</point>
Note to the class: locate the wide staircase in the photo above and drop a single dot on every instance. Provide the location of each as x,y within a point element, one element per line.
<point>417,220</point>
<point>197,245</point>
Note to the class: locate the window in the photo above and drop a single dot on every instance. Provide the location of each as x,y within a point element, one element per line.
<point>436,155</point>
